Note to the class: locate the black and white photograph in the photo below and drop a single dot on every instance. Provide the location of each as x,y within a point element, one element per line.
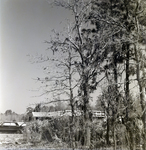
<point>73,74</point>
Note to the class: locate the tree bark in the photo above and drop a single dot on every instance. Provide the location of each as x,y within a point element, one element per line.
<point>127,80</point>
<point>114,138</point>
<point>142,95</point>
<point>107,132</point>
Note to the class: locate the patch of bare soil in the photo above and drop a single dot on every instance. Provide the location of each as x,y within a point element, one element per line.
<point>11,141</point>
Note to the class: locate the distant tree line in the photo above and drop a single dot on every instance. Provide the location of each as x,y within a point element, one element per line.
<point>11,116</point>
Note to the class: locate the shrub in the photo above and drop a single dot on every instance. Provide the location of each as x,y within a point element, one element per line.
<point>36,131</point>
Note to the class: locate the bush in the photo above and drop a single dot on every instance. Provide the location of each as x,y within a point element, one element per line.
<point>36,131</point>
<point>61,132</point>
<point>97,135</point>
<point>47,130</point>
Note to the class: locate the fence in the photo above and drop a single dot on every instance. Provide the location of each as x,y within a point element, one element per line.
<point>95,113</point>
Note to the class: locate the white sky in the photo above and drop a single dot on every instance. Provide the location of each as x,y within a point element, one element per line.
<point>24,26</point>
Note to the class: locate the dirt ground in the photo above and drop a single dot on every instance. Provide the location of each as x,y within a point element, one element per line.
<point>11,141</point>
<point>16,141</point>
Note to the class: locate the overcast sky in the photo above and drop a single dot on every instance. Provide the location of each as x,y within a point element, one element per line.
<point>24,26</point>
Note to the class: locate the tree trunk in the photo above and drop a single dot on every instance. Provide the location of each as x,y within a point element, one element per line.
<point>88,135</point>
<point>107,131</point>
<point>127,81</point>
<point>143,118</point>
<point>114,138</point>
<point>85,97</point>
<point>142,94</point>
<point>115,108</point>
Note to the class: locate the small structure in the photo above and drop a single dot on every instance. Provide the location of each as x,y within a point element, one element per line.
<point>12,127</point>
<point>55,114</point>
<point>98,114</point>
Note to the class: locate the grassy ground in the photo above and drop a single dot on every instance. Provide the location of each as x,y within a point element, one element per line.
<point>12,141</point>
<point>16,141</point>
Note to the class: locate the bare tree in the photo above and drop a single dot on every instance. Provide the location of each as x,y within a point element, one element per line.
<point>97,46</point>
